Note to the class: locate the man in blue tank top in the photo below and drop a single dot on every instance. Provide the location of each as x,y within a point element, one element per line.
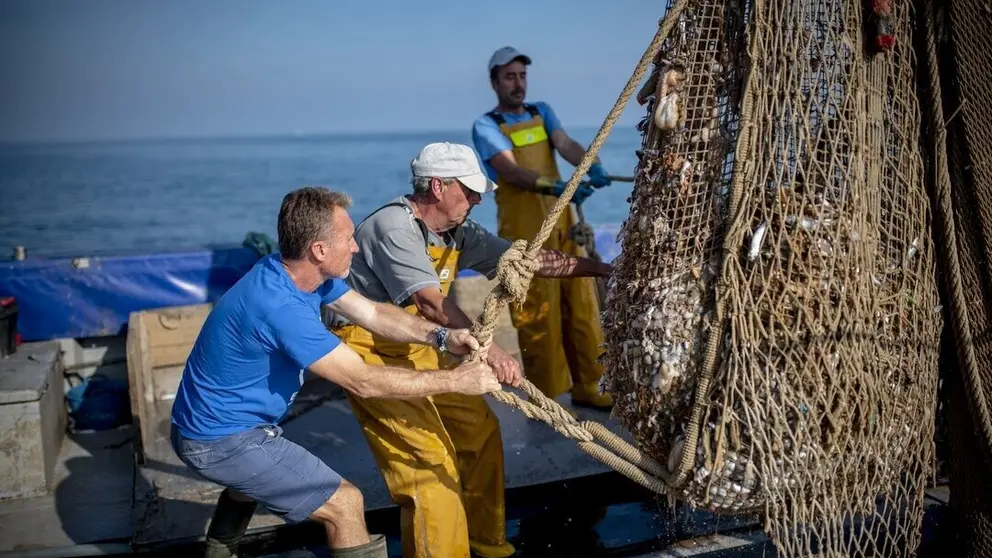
<point>248,363</point>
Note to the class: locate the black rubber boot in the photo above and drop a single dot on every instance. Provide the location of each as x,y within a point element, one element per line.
<point>375,549</point>
<point>228,525</point>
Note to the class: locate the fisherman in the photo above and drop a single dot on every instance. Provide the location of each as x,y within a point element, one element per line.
<point>248,363</point>
<point>441,457</point>
<point>558,327</point>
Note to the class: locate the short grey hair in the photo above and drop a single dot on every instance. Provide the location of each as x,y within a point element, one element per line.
<point>422,184</point>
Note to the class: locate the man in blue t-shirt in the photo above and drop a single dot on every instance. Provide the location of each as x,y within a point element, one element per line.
<point>558,325</point>
<point>248,363</point>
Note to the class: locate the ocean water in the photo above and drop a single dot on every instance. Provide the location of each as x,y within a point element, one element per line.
<point>148,196</point>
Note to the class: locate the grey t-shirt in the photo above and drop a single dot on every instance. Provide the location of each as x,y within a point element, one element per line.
<point>392,261</point>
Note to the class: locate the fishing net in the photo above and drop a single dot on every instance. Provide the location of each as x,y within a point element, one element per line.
<point>772,324</point>
<point>958,92</point>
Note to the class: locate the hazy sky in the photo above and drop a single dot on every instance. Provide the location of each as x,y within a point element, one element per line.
<point>108,69</point>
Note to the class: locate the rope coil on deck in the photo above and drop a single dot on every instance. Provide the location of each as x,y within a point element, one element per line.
<point>516,269</point>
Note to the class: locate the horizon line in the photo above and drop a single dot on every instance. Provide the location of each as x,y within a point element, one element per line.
<point>52,142</point>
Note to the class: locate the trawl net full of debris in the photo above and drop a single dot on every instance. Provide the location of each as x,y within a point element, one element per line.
<point>772,326</point>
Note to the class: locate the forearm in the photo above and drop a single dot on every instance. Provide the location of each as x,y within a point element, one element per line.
<point>396,324</point>
<point>443,311</point>
<point>520,177</point>
<point>572,151</point>
<point>559,264</point>
<point>396,383</point>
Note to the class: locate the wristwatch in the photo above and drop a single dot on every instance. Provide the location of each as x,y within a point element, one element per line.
<point>442,338</point>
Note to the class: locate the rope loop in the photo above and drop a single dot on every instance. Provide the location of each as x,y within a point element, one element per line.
<point>582,234</point>
<point>516,269</point>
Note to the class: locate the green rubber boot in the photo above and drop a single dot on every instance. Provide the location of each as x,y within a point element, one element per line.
<point>375,549</point>
<point>227,526</point>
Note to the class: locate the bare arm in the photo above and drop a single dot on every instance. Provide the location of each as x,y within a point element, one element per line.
<point>346,368</point>
<point>506,165</point>
<point>438,308</point>
<point>571,150</point>
<point>560,264</point>
<point>386,320</point>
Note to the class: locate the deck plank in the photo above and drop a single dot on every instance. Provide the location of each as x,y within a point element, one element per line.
<point>91,500</point>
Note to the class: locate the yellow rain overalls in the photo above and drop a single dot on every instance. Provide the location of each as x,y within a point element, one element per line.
<point>441,456</point>
<point>558,325</point>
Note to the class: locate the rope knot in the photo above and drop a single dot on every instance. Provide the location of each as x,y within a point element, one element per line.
<point>582,234</point>
<point>516,269</point>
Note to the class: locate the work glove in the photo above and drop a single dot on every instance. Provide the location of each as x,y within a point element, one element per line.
<point>598,176</point>
<point>557,187</point>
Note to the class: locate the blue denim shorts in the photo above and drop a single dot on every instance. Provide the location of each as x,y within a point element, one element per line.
<point>277,473</point>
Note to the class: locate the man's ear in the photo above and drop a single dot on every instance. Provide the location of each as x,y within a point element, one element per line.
<point>318,252</point>
<point>437,187</point>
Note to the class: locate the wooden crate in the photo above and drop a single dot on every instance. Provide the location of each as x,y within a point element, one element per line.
<point>158,343</point>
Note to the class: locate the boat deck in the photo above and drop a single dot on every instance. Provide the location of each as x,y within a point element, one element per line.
<point>559,500</point>
<point>171,503</point>
<point>90,501</point>
<point>99,494</point>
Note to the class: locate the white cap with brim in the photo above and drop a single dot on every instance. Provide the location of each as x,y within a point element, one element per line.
<point>506,55</point>
<point>452,160</point>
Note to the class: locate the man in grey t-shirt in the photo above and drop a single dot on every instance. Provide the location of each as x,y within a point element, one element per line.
<point>441,457</point>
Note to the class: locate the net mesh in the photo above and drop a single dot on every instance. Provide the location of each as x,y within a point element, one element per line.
<point>958,50</point>
<point>772,328</point>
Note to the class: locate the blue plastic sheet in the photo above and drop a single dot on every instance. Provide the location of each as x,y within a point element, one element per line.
<point>98,403</point>
<point>93,297</point>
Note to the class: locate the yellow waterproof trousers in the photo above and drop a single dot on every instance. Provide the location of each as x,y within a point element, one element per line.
<point>558,326</point>
<point>440,456</point>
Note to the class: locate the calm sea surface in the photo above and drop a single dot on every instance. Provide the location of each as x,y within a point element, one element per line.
<point>105,198</point>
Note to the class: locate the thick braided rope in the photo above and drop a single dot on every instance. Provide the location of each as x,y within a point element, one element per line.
<point>630,462</point>
<point>958,301</point>
<point>516,270</point>
<point>514,281</point>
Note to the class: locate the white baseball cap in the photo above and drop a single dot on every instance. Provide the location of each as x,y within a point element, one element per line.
<point>452,160</point>
<point>506,55</point>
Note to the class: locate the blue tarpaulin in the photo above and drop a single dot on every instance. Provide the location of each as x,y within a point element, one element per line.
<point>93,297</point>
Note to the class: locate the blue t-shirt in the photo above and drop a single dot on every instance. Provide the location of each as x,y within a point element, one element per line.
<point>248,361</point>
<point>489,139</point>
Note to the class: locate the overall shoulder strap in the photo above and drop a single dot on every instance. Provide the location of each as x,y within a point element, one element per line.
<point>420,224</point>
<point>390,204</point>
<point>497,117</point>
<point>458,236</point>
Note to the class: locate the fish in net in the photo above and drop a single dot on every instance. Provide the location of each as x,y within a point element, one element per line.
<point>772,324</point>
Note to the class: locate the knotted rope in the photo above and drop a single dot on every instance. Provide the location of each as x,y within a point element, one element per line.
<point>515,271</point>
<point>583,235</point>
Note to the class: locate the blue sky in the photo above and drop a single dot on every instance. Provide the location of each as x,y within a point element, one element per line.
<point>117,69</point>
